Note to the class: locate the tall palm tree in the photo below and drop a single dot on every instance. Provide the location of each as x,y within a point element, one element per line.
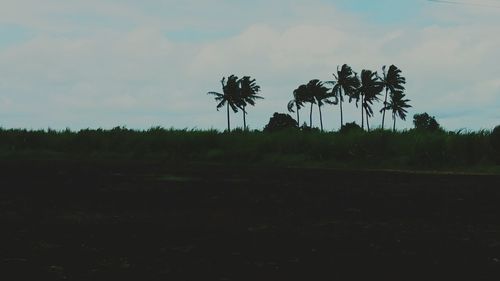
<point>319,92</point>
<point>297,102</point>
<point>397,105</point>
<point>368,92</point>
<point>230,96</point>
<point>248,94</point>
<point>304,95</point>
<point>346,82</point>
<point>393,81</point>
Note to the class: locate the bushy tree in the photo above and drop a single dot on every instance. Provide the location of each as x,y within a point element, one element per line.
<point>425,122</point>
<point>350,127</point>
<point>280,121</point>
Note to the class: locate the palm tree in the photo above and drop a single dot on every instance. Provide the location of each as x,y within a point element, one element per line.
<point>397,105</point>
<point>320,94</point>
<point>304,95</point>
<point>346,83</point>
<point>297,102</point>
<point>248,94</point>
<point>393,81</point>
<point>229,97</point>
<point>368,92</point>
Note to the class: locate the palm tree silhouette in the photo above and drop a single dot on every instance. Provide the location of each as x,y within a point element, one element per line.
<point>297,102</point>
<point>230,96</point>
<point>368,91</point>
<point>319,92</point>
<point>393,81</point>
<point>248,94</point>
<point>304,95</point>
<point>346,83</point>
<point>397,105</point>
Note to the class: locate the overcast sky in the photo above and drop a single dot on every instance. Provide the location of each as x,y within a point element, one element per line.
<point>106,63</point>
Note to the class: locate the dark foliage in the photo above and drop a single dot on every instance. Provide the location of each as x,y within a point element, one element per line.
<point>425,122</point>
<point>306,128</point>
<point>280,121</point>
<point>350,127</point>
<point>414,149</point>
<point>495,142</point>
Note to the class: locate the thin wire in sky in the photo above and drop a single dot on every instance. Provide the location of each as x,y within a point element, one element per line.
<point>465,3</point>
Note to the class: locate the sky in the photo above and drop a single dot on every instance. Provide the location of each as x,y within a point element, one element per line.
<point>140,64</point>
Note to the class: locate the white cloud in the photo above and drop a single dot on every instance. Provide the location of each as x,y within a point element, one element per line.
<point>139,77</point>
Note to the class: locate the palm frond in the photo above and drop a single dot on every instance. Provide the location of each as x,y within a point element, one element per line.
<point>215,94</point>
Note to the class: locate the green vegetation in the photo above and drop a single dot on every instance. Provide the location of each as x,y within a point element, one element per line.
<point>354,149</point>
<point>283,142</point>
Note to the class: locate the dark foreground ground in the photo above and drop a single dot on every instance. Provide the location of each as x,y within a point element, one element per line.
<point>144,221</point>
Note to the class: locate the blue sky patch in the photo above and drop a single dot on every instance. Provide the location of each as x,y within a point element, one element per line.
<point>13,34</point>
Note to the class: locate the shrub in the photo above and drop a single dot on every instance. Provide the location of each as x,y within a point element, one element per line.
<point>425,122</point>
<point>280,121</point>
<point>350,127</point>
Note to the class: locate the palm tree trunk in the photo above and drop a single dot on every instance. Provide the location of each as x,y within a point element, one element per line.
<point>228,122</point>
<point>341,113</point>
<point>298,116</point>
<point>394,125</point>
<point>320,118</point>
<point>244,120</point>
<point>385,104</point>
<point>362,114</point>
<point>367,121</point>
<point>311,116</point>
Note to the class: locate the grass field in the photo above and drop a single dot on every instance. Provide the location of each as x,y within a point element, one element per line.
<point>408,150</point>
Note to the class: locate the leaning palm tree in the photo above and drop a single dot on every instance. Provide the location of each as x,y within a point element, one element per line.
<point>368,92</point>
<point>230,96</point>
<point>248,94</point>
<point>319,92</point>
<point>393,81</point>
<point>303,93</point>
<point>297,102</point>
<point>346,83</point>
<point>397,105</point>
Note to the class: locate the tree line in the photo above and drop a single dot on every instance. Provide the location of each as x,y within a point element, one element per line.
<point>364,90</point>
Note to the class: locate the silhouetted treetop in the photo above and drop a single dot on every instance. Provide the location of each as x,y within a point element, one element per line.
<point>425,122</point>
<point>280,121</point>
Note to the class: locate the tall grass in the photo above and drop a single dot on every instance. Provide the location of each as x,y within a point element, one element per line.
<point>377,149</point>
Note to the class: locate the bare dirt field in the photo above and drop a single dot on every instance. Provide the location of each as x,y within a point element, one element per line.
<point>70,220</point>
